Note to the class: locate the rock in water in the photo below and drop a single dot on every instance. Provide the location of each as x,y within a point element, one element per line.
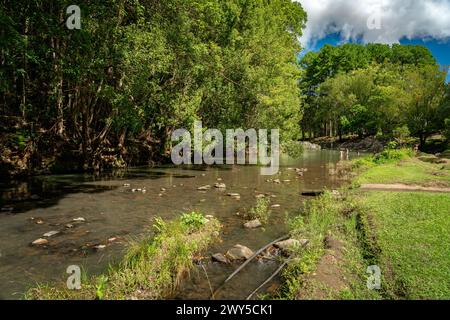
<point>253,224</point>
<point>220,258</point>
<point>204,188</point>
<point>51,234</point>
<point>220,186</point>
<point>291,244</point>
<point>40,242</point>
<point>310,146</point>
<point>236,196</point>
<point>239,252</point>
<point>80,219</point>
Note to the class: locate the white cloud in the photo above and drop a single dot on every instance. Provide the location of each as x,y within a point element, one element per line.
<point>397,19</point>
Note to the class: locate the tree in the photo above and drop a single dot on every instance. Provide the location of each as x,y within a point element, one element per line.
<point>426,87</point>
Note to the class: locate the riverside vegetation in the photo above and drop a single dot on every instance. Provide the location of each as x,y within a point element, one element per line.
<point>111,93</point>
<point>152,266</point>
<point>404,233</point>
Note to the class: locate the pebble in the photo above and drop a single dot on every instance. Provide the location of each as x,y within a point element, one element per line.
<point>80,219</point>
<point>219,258</point>
<point>236,196</point>
<point>239,252</point>
<point>253,224</point>
<point>233,194</point>
<point>51,234</point>
<point>204,188</point>
<point>127,185</point>
<point>290,244</point>
<point>69,226</point>
<point>220,186</point>
<point>336,193</point>
<point>40,242</point>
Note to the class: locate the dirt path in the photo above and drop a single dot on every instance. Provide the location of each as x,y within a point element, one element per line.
<point>402,187</point>
<point>328,278</point>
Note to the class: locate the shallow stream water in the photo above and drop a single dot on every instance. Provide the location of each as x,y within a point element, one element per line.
<point>113,213</point>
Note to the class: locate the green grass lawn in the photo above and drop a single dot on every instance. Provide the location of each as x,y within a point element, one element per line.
<point>407,234</point>
<point>413,232</point>
<point>410,171</point>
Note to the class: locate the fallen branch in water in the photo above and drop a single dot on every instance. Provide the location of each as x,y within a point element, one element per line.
<point>242,266</point>
<point>270,278</point>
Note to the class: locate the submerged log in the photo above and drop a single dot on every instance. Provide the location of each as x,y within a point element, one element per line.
<point>312,193</point>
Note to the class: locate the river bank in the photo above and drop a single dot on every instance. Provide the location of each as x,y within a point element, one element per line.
<point>152,268</point>
<point>356,233</point>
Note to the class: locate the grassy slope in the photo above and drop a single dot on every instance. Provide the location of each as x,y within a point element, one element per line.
<point>151,268</point>
<point>406,234</point>
<point>413,234</point>
<point>409,171</point>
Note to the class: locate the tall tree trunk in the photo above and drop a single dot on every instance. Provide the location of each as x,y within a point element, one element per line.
<point>58,82</point>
